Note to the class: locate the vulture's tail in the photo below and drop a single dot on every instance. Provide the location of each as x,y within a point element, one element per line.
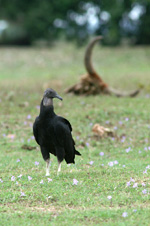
<point>77,153</point>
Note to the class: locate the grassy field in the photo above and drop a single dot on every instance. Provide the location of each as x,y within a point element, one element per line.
<point>110,182</point>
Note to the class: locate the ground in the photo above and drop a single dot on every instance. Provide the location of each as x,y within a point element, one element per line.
<point>110,182</point>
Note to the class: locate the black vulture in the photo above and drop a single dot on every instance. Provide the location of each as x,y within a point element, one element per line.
<point>53,133</point>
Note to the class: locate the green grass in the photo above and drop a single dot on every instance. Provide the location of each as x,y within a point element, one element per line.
<point>24,75</point>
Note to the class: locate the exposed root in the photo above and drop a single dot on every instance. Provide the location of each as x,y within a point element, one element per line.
<point>88,86</point>
<point>123,93</point>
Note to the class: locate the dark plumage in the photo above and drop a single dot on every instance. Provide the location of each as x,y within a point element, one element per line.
<point>53,133</point>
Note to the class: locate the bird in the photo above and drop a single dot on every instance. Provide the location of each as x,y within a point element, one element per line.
<point>53,133</point>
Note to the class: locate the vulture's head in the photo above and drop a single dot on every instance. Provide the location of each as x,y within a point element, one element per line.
<point>49,94</point>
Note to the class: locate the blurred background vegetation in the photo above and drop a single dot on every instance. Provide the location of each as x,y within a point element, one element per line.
<point>26,22</point>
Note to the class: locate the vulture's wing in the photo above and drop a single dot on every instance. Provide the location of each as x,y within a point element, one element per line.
<point>66,122</point>
<point>63,138</point>
<point>62,129</point>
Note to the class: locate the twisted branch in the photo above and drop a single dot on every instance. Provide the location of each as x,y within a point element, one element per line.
<point>92,83</point>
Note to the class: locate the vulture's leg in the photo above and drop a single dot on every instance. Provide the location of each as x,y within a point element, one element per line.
<point>60,152</point>
<point>46,157</point>
<point>47,167</point>
<point>59,167</point>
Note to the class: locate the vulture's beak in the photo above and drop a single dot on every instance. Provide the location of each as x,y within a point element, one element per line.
<point>59,97</point>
